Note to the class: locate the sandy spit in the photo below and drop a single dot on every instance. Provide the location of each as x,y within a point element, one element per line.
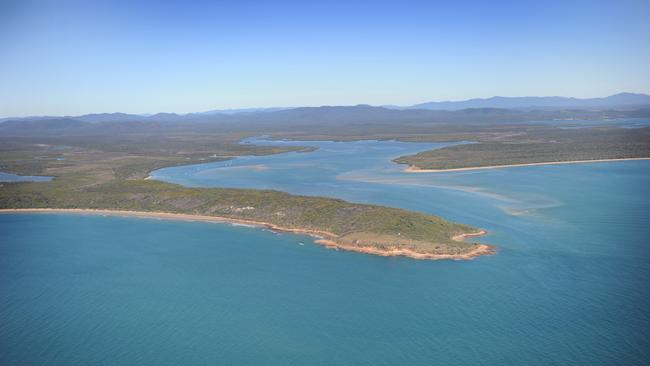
<point>414,169</point>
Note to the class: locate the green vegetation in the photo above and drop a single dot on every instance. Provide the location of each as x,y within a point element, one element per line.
<point>103,164</point>
<point>108,179</point>
<point>282,209</point>
<point>538,146</point>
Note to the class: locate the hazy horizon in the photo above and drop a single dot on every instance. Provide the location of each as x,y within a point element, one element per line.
<point>217,109</point>
<point>75,57</point>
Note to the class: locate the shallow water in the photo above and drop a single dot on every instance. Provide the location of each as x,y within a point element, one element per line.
<point>10,177</point>
<point>568,285</point>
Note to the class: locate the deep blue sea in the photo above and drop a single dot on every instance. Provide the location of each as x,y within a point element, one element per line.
<point>569,285</point>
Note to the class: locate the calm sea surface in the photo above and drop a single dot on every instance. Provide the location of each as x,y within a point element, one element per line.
<point>569,284</point>
<point>9,177</point>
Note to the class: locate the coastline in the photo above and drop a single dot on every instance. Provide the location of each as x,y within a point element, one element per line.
<point>480,250</point>
<point>322,237</point>
<point>414,169</point>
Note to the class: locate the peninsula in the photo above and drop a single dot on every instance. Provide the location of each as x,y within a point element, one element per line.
<point>113,182</point>
<point>337,224</point>
<point>415,169</point>
<point>362,242</point>
<point>534,146</point>
<point>101,162</point>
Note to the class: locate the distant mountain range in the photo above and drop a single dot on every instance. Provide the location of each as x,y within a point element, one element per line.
<point>359,120</point>
<point>495,109</point>
<point>621,100</point>
<point>244,110</point>
<point>159,117</point>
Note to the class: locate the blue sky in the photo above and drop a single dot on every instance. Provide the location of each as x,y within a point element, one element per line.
<point>75,57</point>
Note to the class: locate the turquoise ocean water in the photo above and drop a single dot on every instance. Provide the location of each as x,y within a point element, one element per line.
<point>569,284</point>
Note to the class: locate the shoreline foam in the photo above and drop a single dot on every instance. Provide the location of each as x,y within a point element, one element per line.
<point>414,169</point>
<point>322,237</point>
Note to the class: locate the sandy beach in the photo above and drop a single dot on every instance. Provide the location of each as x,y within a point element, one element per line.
<point>322,237</point>
<point>414,169</point>
<point>480,250</point>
